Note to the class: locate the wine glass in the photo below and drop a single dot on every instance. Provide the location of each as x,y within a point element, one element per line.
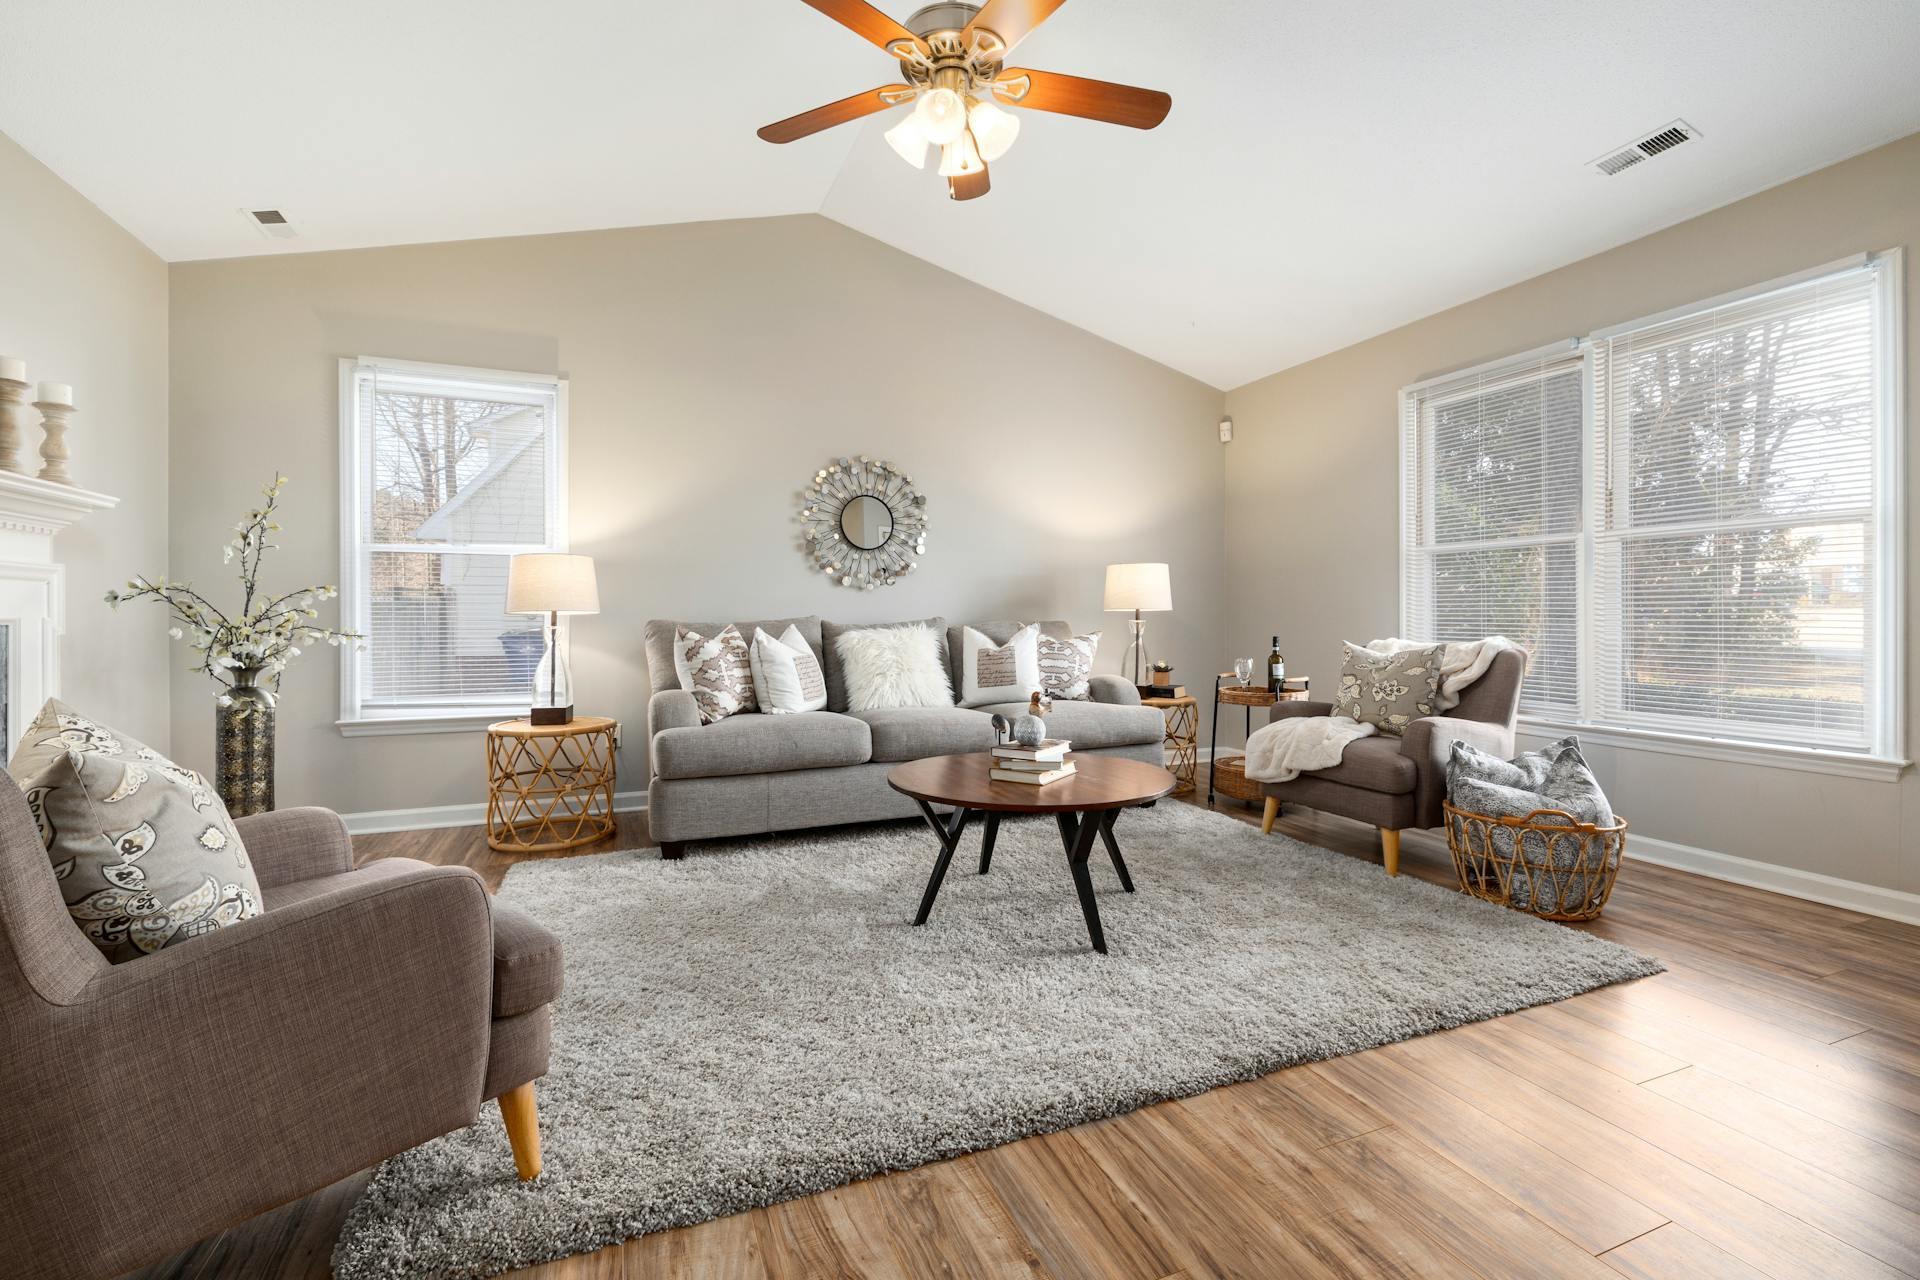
<point>1243,667</point>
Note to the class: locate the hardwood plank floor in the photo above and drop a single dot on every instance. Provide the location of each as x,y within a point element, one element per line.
<point>1754,1113</point>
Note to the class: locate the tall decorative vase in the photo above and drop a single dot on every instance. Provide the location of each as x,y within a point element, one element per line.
<point>243,746</point>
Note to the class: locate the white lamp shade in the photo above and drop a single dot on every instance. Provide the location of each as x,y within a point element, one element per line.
<point>993,130</point>
<point>1138,586</point>
<point>548,582</point>
<point>909,140</point>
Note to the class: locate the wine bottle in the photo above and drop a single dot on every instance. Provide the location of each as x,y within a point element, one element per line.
<point>1276,669</point>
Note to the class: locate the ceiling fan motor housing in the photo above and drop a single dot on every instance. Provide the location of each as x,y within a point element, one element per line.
<point>956,61</point>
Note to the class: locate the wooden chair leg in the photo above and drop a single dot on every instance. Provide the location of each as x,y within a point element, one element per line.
<point>1266,818</point>
<point>1390,846</point>
<point>519,1110</point>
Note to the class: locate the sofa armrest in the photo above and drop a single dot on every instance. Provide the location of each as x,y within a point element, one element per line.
<point>1114,689</point>
<point>671,709</point>
<point>295,844</point>
<point>1429,742</point>
<point>1295,707</point>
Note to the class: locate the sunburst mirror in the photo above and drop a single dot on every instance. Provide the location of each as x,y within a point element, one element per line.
<point>862,522</point>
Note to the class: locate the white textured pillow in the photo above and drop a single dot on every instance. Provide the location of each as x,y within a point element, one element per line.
<point>717,670</point>
<point>893,667</point>
<point>1066,666</point>
<point>991,673</point>
<point>786,676</point>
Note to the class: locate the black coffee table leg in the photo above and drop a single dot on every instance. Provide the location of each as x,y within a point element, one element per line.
<point>1107,819</point>
<point>986,841</point>
<point>1077,832</point>
<point>949,835</point>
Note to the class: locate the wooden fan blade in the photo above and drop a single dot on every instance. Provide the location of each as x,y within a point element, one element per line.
<point>869,23</point>
<point>860,104</point>
<point>1011,20</point>
<point>1090,99</point>
<point>971,187</point>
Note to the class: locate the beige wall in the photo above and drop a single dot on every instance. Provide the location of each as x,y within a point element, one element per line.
<point>83,302</point>
<point>713,368</point>
<point>1312,522</point>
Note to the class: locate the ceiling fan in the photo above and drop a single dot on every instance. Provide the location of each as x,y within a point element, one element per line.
<point>952,60</point>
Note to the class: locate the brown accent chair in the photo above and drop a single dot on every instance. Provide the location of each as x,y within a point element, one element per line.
<point>150,1104</point>
<point>1396,783</point>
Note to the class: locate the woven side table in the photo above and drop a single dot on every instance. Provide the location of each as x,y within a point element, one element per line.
<point>1183,738</point>
<point>550,786</point>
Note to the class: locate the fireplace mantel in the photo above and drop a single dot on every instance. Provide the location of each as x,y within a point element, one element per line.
<point>33,603</point>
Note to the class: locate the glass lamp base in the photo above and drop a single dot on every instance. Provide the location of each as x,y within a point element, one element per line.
<point>1134,663</point>
<point>552,701</point>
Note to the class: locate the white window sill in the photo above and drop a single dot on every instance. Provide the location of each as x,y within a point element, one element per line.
<point>1765,755</point>
<point>462,721</point>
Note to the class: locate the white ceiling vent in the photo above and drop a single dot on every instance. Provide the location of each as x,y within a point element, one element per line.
<point>1665,138</point>
<point>270,222</point>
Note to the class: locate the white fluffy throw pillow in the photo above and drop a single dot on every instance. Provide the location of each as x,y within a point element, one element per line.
<point>991,673</point>
<point>786,676</point>
<point>893,667</point>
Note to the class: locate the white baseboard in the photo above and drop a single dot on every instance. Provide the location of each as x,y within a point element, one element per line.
<point>1891,904</point>
<point>453,815</point>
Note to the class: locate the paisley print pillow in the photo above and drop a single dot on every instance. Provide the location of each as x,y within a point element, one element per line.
<point>1389,690</point>
<point>1066,664</point>
<point>144,851</point>
<point>717,670</point>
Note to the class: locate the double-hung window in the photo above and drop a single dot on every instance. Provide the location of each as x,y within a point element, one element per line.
<point>446,474</point>
<point>1693,520</point>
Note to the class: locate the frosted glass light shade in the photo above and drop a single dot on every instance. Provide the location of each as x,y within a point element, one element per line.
<point>942,115</point>
<point>993,129</point>
<point>959,158</point>
<point>909,140</point>
<point>549,582</point>
<point>1138,586</point>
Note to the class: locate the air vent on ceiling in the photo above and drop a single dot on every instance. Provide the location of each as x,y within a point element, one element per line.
<point>1663,139</point>
<point>270,222</point>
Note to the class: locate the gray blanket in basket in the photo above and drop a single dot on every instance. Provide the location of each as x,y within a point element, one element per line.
<point>1555,777</point>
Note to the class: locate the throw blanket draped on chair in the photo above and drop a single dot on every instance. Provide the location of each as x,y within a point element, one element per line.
<point>1286,748</point>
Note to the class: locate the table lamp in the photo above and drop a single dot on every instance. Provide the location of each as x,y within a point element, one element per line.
<point>1137,587</point>
<point>553,584</point>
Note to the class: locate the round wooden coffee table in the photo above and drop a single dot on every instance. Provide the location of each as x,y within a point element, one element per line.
<point>1084,805</point>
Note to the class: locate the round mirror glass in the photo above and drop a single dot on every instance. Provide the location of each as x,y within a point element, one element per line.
<point>866,522</point>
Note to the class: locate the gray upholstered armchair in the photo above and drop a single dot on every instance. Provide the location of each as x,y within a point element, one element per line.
<point>1396,783</point>
<point>151,1103</point>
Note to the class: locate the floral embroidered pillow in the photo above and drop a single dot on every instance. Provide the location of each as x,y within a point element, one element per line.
<point>144,851</point>
<point>1066,665</point>
<point>1389,690</point>
<point>717,670</point>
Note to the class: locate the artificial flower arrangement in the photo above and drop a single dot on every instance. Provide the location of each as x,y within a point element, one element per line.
<point>250,650</point>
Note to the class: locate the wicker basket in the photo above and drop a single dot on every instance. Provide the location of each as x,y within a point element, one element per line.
<point>1230,779</point>
<point>1548,863</point>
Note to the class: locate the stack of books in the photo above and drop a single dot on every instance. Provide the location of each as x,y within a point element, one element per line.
<point>1032,765</point>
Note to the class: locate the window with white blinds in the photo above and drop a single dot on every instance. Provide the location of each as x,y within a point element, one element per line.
<point>1494,514</point>
<point>449,473</point>
<point>1692,521</point>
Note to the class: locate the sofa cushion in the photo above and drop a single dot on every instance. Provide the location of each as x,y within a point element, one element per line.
<point>756,743</point>
<point>997,670</point>
<point>999,633</point>
<point>1374,764</point>
<point>526,962</point>
<point>717,670</point>
<point>912,733</point>
<point>660,632</point>
<point>1093,725</point>
<point>830,633</point>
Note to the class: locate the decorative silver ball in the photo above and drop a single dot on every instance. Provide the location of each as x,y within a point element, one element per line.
<point>1029,731</point>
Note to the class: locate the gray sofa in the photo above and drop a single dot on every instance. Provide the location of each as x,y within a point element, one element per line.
<point>750,773</point>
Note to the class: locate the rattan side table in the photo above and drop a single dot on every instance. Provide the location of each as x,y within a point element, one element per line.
<point>550,786</point>
<point>1183,738</point>
<point>1224,775</point>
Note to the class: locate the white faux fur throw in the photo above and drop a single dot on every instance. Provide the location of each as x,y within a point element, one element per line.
<point>1461,664</point>
<point>1283,750</point>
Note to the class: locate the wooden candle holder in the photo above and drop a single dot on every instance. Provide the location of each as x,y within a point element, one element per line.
<point>53,446</point>
<point>13,402</point>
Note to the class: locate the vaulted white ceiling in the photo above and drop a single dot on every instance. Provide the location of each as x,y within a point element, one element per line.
<point>1330,170</point>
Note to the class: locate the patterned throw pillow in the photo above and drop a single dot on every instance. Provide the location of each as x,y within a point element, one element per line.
<point>144,851</point>
<point>716,670</point>
<point>1389,690</point>
<point>1065,666</point>
<point>786,676</point>
<point>991,673</point>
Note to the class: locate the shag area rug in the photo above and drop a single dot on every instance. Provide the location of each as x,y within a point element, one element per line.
<point>761,1021</point>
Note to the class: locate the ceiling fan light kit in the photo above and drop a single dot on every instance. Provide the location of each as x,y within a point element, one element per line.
<point>952,59</point>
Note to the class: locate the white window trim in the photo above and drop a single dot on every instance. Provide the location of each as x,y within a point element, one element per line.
<point>1887,761</point>
<point>356,721</point>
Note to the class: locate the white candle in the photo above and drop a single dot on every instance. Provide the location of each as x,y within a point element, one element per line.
<point>13,368</point>
<point>54,393</point>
